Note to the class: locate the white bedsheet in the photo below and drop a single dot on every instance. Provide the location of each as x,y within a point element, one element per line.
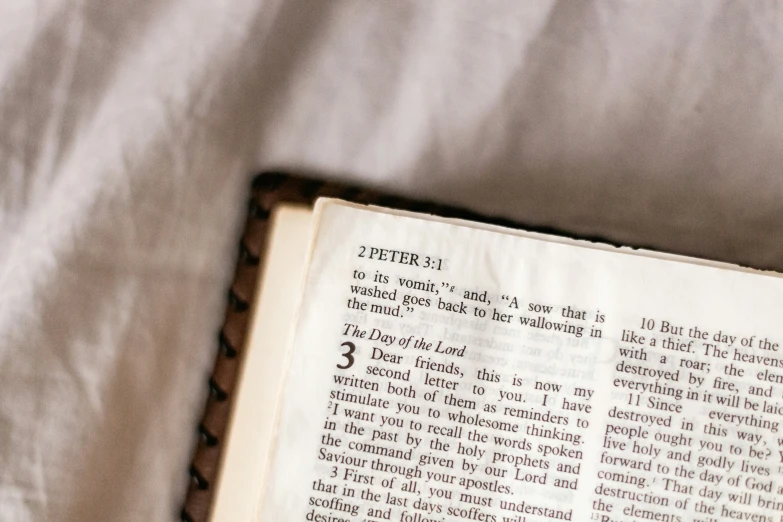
<point>128,131</point>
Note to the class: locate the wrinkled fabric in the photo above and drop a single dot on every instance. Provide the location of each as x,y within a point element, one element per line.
<point>129,132</point>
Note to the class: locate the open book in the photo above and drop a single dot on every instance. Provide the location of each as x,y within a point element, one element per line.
<point>410,368</point>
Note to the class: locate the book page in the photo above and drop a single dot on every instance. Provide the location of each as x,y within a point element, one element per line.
<point>444,372</point>
<point>249,436</point>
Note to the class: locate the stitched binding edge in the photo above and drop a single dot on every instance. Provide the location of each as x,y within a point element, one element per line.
<point>204,466</point>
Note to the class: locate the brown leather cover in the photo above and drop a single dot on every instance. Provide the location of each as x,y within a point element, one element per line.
<point>268,190</point>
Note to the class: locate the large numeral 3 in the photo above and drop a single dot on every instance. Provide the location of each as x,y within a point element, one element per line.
<point>348,355</point>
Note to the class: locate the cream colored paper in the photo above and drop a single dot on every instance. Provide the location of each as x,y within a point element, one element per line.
<point>250,434</point>
<point>626,291</point>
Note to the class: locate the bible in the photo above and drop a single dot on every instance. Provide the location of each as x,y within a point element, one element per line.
<point>388,360</point>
